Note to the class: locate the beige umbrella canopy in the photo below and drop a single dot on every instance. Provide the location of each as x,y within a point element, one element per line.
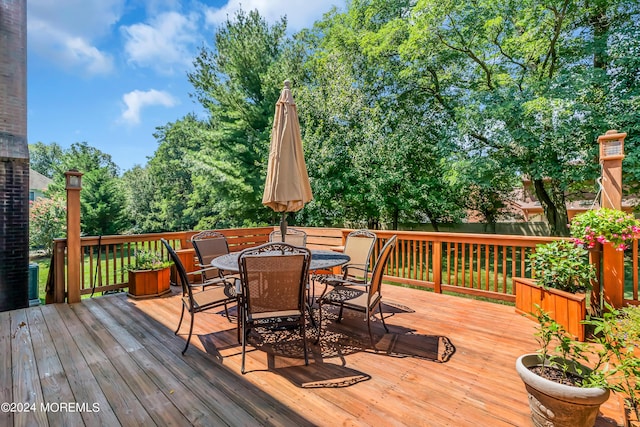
<point>287,186</point>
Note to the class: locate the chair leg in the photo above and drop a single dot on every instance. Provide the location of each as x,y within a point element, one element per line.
<point>226,312</point>
<point>382,316</point>
<point>190,332</point>
<point>319,321</point>
<point>340,313</point>
<point>370,334</point>
<point>244,346</point>
<point>304,339</point>
<point>180,322</point>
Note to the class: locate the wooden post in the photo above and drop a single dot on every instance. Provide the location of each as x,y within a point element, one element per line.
<point>437,267</point>
<point>73,187</point>
<point>611,155</point>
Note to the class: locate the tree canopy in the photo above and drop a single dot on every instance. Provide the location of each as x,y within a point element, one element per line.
<point>411,110</point>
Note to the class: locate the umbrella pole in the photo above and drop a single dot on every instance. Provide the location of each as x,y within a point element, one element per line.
<point>283,225</point>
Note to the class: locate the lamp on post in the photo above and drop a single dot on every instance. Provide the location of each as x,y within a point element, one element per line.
<point>611,155</point>
<point>73,180</point>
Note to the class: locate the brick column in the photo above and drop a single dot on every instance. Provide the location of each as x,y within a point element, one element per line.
<point>14,157</point>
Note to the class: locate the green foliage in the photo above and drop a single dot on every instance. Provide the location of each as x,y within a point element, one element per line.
<point>102,202</point>
<point>238,83</point>
<point>47,221</point>
<point>604,226</point>
<point>45,158</point>
<point>617,335</point>
<point>610,353</point>
<point>566,349</point>
<point>148,260</point>
<point>562,265</point>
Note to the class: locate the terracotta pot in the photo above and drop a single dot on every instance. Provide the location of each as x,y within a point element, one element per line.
<point>558,405</point>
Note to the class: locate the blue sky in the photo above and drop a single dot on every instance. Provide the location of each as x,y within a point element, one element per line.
<point>109,72</point>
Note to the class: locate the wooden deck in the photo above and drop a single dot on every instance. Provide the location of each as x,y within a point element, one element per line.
<point>448,361</point>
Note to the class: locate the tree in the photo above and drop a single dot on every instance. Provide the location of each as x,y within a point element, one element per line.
<point>45,158</point>
<point>238,83</point>
<point>525,80</point>
<point>47,221</point>
<point>102,202</point>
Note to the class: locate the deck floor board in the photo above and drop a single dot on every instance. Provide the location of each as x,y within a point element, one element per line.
<point>447,361</point>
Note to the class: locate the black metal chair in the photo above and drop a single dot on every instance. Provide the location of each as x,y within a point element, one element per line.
<point>273,278</point>
<point>293,236</point>
<point>359,246</point>
<point>208,245</point>
<point>212,297</point>
<point>363,297</point>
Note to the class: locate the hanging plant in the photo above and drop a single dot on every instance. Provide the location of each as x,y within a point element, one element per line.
<point>604,226</point>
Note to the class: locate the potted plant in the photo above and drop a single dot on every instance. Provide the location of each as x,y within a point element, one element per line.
<point>563,275</point>
<point>604,226</point>
<point>617,334</point>
<point>563,391</point>
<point>149,275</point>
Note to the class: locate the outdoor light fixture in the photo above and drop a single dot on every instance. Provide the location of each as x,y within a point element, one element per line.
<point>611,145</point>
<point>73,179</point>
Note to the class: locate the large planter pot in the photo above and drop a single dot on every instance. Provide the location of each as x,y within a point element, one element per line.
<point>557,405</point>
<point>149,283</point>
<point>568,309</point>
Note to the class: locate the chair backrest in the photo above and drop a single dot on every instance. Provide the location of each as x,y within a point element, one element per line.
<point>378,269</point>
<point>359,246</point>
<point>180,270</point>
<point>293,237</point>
<point>273,277</point>
<point>208,245</point>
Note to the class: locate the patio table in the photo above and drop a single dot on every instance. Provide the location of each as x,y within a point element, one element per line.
<point>320,260</point>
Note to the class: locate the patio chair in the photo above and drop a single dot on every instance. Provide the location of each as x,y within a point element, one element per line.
<point>363,297</point>
<point>273,278</point>
<point>293,237</point>
<point>213,297</point>
<point>359,246</point>
<point>208,245</point>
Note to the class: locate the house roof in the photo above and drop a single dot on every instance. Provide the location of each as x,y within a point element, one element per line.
<point>37,181</point>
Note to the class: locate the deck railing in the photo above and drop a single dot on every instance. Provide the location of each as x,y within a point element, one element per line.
<point>475,264</point>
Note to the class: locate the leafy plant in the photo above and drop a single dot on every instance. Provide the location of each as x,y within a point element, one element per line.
<point>603,226</point>
<point>148,260</point>
<point>610,353</point>
<point>617,334</point>
<point>562,265</point>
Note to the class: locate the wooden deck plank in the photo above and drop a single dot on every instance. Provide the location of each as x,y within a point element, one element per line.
<point>346,382</point>
<point>55,385</point>
<point>27,390</point>
<point>222,389</point>
<point>156,403</point>
<point>121,398</point>
<point>84,385</point>
<point>6,377</point>
<point>183,397</point>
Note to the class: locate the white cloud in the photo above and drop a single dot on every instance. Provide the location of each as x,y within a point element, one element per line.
<point>65,31</point>
<point>137,99</point>
<point>165,42</point>
<point>299,15</point>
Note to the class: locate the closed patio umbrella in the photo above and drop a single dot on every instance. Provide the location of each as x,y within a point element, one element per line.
<point>287,186</point>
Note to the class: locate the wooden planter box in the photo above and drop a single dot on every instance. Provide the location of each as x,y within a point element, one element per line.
<point>149,283</point>
<point>566,308</point>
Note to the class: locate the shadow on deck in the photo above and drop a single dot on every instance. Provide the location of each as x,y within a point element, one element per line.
<point>115,361</point>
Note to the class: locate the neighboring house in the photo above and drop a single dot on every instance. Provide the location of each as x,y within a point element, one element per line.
<point>38,184</point>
